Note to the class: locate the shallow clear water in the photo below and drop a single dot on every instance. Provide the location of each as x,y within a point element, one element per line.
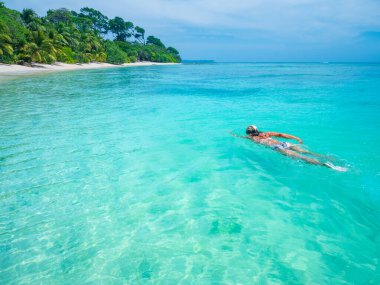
<point>129,176</point>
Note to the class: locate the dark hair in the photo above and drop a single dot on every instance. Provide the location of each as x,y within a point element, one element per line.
<point>252,131</point>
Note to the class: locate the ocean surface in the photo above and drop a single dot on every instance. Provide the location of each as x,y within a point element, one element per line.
<point>130,176</point>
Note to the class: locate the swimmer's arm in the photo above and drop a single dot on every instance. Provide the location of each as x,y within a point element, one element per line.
<point>286,136</point>
<point>238,136</point>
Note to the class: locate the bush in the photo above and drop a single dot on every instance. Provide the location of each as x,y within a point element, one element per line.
<point>67,56</point>
<point>114,54</point>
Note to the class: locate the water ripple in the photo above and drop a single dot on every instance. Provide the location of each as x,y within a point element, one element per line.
<point>129,176</point>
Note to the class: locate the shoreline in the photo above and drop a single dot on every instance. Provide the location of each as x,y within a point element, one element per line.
<point>15,70</point>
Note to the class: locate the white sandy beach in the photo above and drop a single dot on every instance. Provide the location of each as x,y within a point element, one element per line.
<point>14,70</point>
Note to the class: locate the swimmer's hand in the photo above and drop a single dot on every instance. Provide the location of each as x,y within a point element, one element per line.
<point>238,136</point>
<point>232,133</point>
<point>299,140</point>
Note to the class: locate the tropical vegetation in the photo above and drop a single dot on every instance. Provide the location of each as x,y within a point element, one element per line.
<point>76,37</point>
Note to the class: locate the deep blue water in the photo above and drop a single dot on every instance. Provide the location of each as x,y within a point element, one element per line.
<point>130,176</point>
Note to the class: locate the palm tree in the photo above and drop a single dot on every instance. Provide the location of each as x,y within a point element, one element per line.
<point>40,48</point>
<point>5,41</point>
<point>91,48</point>
<point>70,33</point>
<point>44,53</point>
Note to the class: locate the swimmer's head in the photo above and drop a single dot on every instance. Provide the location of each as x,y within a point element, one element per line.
<point>252,130</point>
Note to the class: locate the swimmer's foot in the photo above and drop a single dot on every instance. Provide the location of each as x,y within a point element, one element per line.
<point>337,168</point>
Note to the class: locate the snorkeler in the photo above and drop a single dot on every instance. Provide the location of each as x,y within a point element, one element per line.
<point>288,149</point>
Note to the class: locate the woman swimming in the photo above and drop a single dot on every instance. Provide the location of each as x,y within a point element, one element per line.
<point>288,149</point>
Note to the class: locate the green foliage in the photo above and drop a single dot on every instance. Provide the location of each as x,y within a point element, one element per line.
<point>29,16</point>
<point>67,55</point>
<point>140,34</point>
<point>154,41</point>
<point>6,49</point>
<point>137,52</point>
<point>156,53</point>
<point>114,54</point>
<point>172,50</point>
<point>130,49</point>
<point>62,15</point>
<point>12,34</point>
<point>98,20</point>
<point>121,29</point>
<point>71,37</point>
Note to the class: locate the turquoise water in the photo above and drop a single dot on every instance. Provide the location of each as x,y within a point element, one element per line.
<point>129,176</point>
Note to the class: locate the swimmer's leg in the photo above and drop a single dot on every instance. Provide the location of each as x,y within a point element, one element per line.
<point>305,151</point>
<point>294,154</point>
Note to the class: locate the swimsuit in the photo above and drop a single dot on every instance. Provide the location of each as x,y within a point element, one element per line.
<point>278,146</point>
<point>281,145</point>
